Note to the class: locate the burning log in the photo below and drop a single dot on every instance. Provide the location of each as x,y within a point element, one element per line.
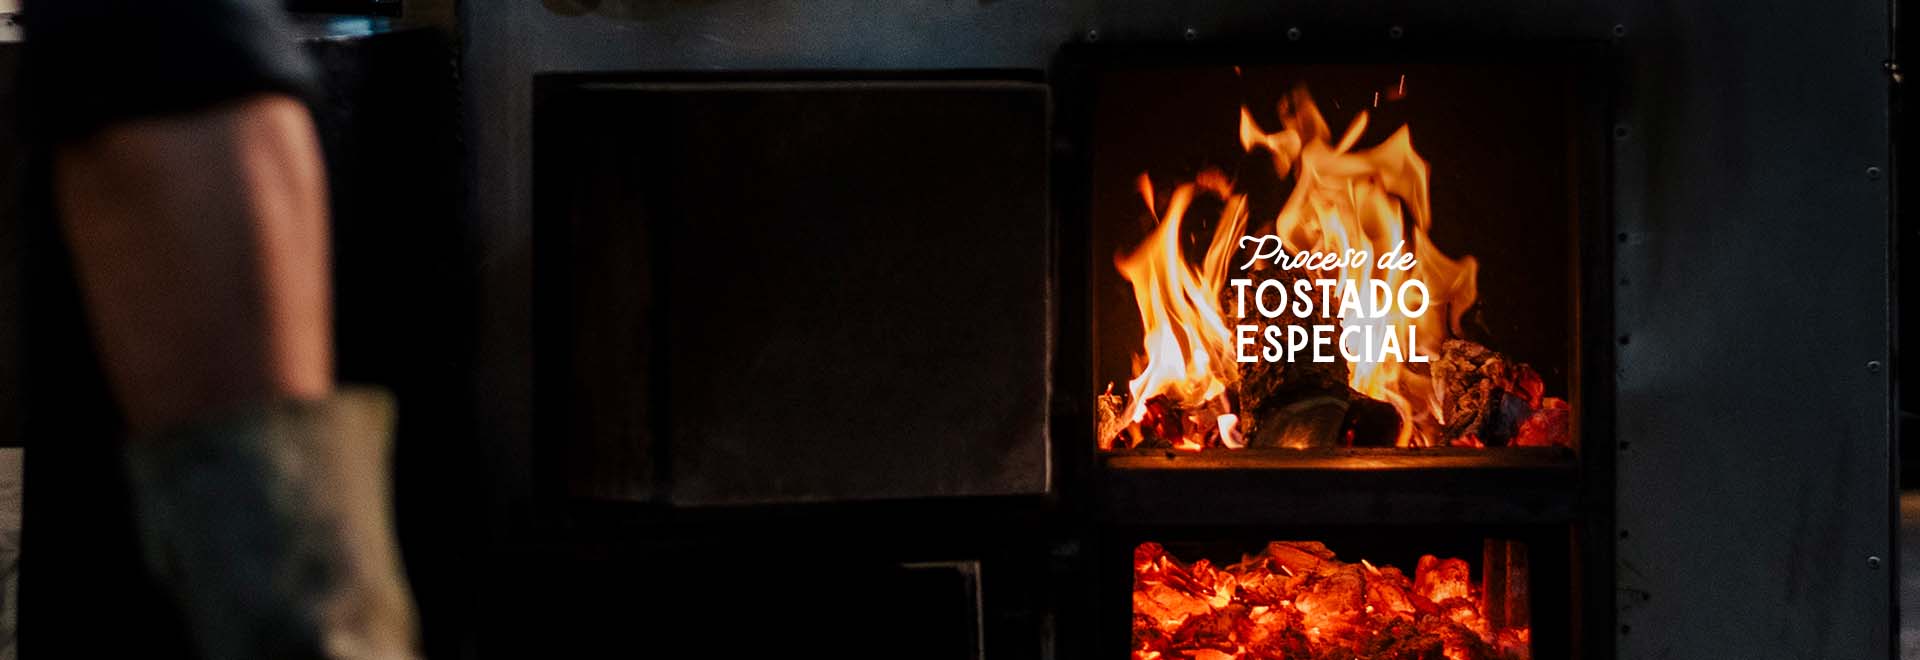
<point>1484,394</point>
<point>1391,591</point>
<point>1487,399</point>
<point>1112,411</point>
<point>1370,422</point>
<point>1165,424</point>
<point>1292,404</point>
<point>1297,600</point>
<point>1548,427</point>
<point>1304,424</point>
<point>1440,580</point>
<point>1267,386</point>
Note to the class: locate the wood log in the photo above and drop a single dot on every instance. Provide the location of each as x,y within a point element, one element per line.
<point>1308,423</point>
<point>1485,395</point>
<point>1371,422</point>
<point>1267,386</point>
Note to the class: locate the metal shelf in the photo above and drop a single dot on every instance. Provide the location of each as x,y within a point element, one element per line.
<point>1500,486</point>
<point>1355,458</point>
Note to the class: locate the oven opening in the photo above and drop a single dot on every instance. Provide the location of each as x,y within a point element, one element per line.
<point>1354,258</point>
<point>1414,599</point>
<point>1337,349</point>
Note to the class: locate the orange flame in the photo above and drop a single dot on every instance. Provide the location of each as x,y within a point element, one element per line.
<point>1189,349</point>
<point>1343,199</point>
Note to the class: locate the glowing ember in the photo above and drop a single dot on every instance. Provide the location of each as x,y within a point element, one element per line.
<point>1297,600</point>
<point>1188,391</point>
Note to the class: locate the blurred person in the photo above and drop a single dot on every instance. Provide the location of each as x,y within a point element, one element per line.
<point>187,181</point>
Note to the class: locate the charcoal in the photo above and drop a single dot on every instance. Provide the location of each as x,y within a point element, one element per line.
<point>1307,423</point>
<point>1147,632</point>
<point>1485,396</point>
<point>1206,631</point>
<point>1440,579</point>
<point>1390,592</point>
<point>1461,642</point>
<point>1166,601</point>
<point>1266,588</point>
<point>1167,424</point>
<point>1282,644</point>
<point>1296,600</point>
<point>1147,554</point>
<point>1548,427</point>
<point>1371,422</point>
<point>1404,640</point>
<point>1203,423</point>
<point>1334,587</point>
<point>1296,556</point>
<point>1163,423</point>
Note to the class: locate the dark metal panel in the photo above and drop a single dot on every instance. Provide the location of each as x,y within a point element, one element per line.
<point>794,290</point>
<point>1752,314</point>
<point>805,290</point>
<point>1386,497</point>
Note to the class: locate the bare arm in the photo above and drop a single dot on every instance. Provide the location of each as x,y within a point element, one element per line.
<point>200,241</point>
<point>201,246</point>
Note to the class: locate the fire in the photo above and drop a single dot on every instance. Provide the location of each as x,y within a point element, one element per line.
<point>1344,198</point>
<point>1189,350</point>
<point>1297,600</point>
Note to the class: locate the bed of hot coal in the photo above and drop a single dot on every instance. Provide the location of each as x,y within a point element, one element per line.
<point>1297,601</point>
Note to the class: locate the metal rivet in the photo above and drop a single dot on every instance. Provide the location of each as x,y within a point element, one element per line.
<point>1621,131</point>
<point>1293,34</point>
<point>1395,32</point>
<point>1191,34</point>
<point>1873,562</point>
<point>1619,30</point>
<point>1873,366</point>
<point>1873,173</point>
<point>1093,35</point>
